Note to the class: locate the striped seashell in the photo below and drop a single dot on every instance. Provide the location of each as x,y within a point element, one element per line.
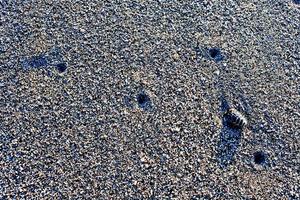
<point>233,118</point>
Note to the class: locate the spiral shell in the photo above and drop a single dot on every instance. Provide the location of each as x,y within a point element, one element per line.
<point>233,118</point>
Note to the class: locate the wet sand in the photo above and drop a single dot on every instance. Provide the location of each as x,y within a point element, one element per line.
<point>126,99</point>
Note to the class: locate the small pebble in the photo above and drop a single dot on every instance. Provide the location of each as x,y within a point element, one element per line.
<point>217,72</point>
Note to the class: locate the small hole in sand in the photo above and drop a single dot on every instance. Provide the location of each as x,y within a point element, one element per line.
<point>215,53</point>
<point>259,157</point>
<point>61,67</point>
<point>142,99</point>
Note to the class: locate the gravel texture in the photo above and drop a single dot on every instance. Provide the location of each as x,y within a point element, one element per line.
<point>125,99</point>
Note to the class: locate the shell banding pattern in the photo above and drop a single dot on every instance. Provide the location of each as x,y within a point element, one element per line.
<point>235,119</point>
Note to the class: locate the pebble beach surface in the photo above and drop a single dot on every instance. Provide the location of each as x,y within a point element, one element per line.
<point>125,99</point>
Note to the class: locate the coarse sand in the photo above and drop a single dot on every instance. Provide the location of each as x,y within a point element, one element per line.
<point>125,99</point>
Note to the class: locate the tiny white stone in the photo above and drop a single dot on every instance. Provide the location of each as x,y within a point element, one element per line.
<point>217,72</point>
